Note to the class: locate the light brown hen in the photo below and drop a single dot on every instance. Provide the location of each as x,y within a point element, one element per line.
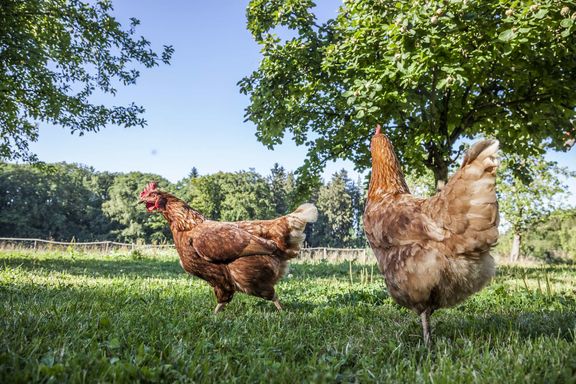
<point>433,252</point>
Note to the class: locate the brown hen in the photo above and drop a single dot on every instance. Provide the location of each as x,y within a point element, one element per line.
<point>434,252</point>
<point>243,256</point>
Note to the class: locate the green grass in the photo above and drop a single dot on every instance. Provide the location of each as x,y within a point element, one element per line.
<point>73,317</point>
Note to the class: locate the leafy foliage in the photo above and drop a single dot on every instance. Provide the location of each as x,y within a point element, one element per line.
<point>69,201</point>
<point>61,202</point>
<point>338,222</point>
<point>529,196</point>
<point>66,201</point>
<point>431,72</point>
<point>54,56</point>
<point>551,238</point>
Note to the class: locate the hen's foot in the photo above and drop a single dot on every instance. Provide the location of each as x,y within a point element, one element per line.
<point>277,304</point>
<point>219,307</point>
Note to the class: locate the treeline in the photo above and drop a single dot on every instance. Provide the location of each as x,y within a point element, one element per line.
<point>552,238</point>
<point>70,201</point>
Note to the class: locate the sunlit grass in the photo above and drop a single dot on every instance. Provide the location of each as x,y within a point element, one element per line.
<point>75,317</point>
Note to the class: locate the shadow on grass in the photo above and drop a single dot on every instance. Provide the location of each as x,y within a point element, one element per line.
<point>97,267</point>
<point>150,267</point>
<point>528,325</point>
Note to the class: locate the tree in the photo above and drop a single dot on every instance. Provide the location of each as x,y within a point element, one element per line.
<point>54,55</point>
<point>205,195</point>
<point>62,202</point>
<point>134,222</point>
<point>193,173</point>
<point>282,188</point>
<point>554,237</point>
<point>247,196</point>
<point>430,72</point>
<point>527,197</point>
<point>243,195</point>
<point>335,225</point>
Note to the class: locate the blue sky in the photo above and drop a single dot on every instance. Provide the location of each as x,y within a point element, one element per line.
<point>194,110</point>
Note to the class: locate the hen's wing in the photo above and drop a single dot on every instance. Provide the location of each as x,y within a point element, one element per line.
<point>464,215</point>
<point>467,209</point>
<point>225,242</point>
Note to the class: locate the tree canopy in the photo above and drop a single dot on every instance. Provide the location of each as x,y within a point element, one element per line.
<point>431,72</point>
<point>54,55</point>
<point>61,202</point>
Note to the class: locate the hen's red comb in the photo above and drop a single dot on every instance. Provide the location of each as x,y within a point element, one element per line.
<point>149,188</point>
<point>378,129</point>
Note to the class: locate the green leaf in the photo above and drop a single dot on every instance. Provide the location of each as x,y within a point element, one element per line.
<point>442,83</point>
<point>541,13</point>
<point>507,35</point>
<point>567,23</point>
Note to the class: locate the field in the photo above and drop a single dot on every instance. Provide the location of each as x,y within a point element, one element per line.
<point>76,317</point>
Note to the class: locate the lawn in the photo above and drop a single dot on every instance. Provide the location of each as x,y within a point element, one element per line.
<point>76,317</point>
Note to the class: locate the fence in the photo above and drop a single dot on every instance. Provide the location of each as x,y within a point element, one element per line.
<point>101,246</point>
<point>336,255</point>
<point>361,255</point>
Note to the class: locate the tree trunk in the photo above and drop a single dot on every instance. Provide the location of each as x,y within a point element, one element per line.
<point>516,245</point>
<point>438,164</point>
<point>440,175</point>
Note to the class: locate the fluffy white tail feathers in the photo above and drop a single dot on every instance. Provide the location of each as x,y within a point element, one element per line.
<point>297,220</point>
<point>306,212</point>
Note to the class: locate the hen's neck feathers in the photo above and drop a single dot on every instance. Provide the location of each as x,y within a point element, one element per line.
<point>180,215</point>
<point>387,176</point>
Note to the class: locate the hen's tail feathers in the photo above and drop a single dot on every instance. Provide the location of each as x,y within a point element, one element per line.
<point>485,153</point>
<point>306,212</point>
<point>472,196</point>
<point>297,220</point>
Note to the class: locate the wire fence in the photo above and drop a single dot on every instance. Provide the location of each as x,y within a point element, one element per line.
<point>360,255</point>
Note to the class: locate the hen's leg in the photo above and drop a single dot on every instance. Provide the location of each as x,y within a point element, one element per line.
<point>277,303</point>
<point>425,316</point>
<point>219,307</point>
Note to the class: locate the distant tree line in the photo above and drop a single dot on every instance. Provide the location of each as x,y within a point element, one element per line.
<point>70,201</point>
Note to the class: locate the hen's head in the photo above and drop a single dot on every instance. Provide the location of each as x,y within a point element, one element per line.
<point>152,198</point>
<point>378,136</point>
